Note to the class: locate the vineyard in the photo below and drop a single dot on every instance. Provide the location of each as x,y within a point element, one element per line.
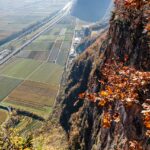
<point>39,98</point>
<point>27,125</point>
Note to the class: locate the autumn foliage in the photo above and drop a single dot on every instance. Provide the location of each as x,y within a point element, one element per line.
<point>134,145</point>
<point>131,9</point>
<point>120,83</point>
<point>10,140</point>
<point>135,3</point>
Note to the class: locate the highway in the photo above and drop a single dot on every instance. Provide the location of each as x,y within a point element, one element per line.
<point>55,19</point>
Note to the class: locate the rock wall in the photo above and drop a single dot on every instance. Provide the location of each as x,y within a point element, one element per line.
<point>82,119</point>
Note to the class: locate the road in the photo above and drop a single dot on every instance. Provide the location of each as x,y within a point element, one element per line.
<point>55,19</point>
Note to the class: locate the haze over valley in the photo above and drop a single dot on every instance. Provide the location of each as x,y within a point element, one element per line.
<point>16,15</point>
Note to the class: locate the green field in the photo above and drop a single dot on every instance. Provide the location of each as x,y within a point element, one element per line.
<point>30,81</point>
<point>3,116</point>
<point>20,68</point>
<point>62,57</point>
<point>48,73</point>
<point>40,46</point>
<point>44,42</point>
<point>37,98</point>
<point>7,85</point>
<point>33,77</point>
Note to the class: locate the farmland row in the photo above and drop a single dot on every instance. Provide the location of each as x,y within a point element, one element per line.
<point>39,80</point>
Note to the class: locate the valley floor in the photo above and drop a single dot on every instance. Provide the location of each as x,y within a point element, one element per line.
<point>30,81</point>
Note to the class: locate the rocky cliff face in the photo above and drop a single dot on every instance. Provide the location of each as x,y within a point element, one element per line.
<point>127,39</point>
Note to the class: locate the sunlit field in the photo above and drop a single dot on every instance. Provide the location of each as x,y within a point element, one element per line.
<point>16,15</point>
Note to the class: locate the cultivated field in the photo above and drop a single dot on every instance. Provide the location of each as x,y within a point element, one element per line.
<point>37,45</point>
<point>61,60</point>
<point>7,85</point>
<point>36,95</point>
<point>65,47</point>
<point>3,116</point>
<point>37,72</point>
<point>16,15</point>
<point>20,68</point>
<point>36,55</point>
<point>35,124</point>
<point>55,51</point>
<point>48,73</point>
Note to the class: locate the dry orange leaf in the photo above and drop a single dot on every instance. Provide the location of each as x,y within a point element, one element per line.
<point>147,124</point>
<point>116,117</point>
<point>106,120</point>
<point>110,91</point>
<point>104,93</point>
<point>102,102</point>
<point>82,95</point>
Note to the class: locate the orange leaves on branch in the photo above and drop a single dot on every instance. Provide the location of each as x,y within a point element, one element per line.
<point>90,96</point>
<point>130,3</point>
<point>104,93</point>
<point>109,90</point>
<point>128,9</point>
<point>146,114</point>
<point>122,83</point>
<point>108,118</point>
<point>134,145</point>
<point>147,124</point>
<point>147,121</point>
<point>106,122</point>
<point>82,95</point>
<point>102,102</point>
<point>135,3</point>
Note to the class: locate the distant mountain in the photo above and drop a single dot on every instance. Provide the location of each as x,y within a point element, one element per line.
<point>90,10</point>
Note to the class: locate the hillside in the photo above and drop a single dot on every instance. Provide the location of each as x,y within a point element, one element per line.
<point>106,99</point>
